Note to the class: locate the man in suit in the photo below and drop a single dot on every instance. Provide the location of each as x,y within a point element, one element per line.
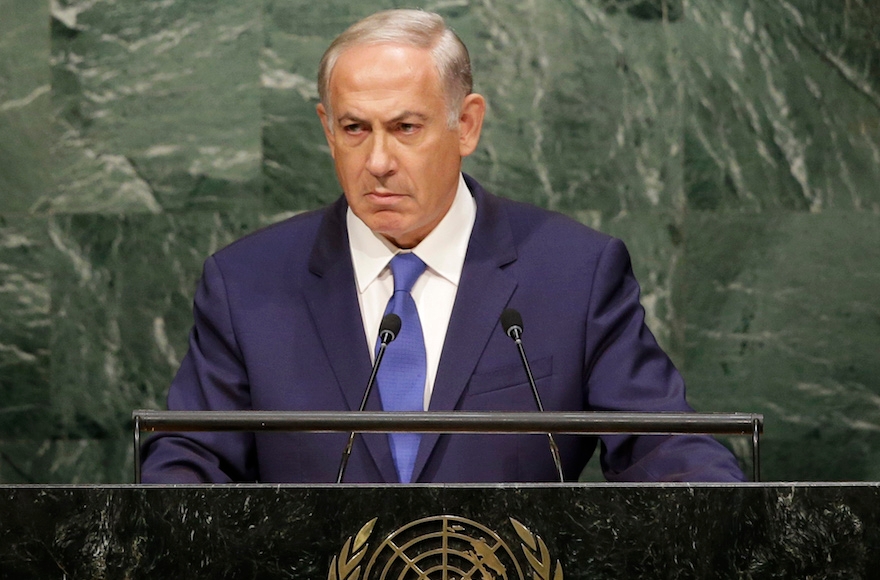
<point>287,317</point>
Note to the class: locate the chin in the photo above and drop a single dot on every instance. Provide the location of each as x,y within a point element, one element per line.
<point>386,222</point>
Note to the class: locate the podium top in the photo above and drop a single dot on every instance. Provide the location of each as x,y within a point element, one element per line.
<point>583,423</point>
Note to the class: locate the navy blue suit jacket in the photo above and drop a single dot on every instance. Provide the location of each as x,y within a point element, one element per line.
<point>278,327</point>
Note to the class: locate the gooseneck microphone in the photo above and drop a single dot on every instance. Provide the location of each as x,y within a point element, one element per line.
<point>389,328</point>
<point>512,323</point>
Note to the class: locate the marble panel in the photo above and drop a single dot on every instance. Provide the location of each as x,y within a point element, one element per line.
<point>297,165</point>
<point>157,105</point>
<point>26,258</point>
<point>657,247</point>
<point>25,128</point>
<point>655,244</point>
<point>122,303</point>
<point>584,109</point>
<point>783,105</point>
<point>64,461</point>
<point>782,319</point>
<point>847,33</point>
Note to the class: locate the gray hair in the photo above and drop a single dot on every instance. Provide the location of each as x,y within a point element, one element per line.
<point>412,28</point>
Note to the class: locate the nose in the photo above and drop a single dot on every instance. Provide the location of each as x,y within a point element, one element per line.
<point>381,161</point>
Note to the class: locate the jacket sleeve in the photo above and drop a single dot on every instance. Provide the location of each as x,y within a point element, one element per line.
<point>626,370</point>
<point>212,377</point>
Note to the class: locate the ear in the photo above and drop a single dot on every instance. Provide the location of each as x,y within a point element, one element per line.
<point>325,124</point>
<point>473,110</point>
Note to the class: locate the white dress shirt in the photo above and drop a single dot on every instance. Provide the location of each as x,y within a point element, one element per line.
<point>443,251</point>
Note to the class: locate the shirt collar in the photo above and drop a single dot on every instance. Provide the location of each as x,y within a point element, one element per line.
<point>443,250</point>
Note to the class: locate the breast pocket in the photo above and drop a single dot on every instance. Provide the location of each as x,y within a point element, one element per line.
<point>507,388</point>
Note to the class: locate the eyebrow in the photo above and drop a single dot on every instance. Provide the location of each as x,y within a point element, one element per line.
<point>402,116</point>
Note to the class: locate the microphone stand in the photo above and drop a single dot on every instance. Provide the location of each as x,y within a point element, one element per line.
<point>512,323</point>
<point>388,331</point>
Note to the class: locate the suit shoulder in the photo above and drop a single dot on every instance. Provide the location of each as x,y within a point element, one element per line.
<point>530,221</point>
<point>292,233</point>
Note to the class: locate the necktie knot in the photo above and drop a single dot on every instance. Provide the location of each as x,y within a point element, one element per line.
<point>406,269</point>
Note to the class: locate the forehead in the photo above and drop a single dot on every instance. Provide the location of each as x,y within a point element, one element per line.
<point>376,70</point>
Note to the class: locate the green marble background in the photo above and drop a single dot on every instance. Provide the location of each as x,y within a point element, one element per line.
<point>733,144</point>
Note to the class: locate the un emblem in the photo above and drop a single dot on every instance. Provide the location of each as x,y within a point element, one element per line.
<point>442,548</point>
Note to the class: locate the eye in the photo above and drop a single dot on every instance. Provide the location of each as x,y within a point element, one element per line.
<point>353,128</point>
<point>408,128</point>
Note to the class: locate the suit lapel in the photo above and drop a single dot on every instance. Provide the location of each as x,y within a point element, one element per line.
<point>332,300</point>
<point>483,292</point>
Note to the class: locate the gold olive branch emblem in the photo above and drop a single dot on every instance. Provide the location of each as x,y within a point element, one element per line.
<point>347,565</point>
<point>483,556</point>
<point>537,553</point>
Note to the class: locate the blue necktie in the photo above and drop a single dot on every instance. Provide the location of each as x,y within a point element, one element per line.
<point>401,377</point>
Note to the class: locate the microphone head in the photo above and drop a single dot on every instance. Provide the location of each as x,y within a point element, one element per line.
<point>389,328</point>
<point>512,323</point>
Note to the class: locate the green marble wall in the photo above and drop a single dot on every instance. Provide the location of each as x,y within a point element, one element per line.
<point>733,144</point>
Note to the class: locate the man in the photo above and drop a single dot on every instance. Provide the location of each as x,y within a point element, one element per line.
<point>287,318</point>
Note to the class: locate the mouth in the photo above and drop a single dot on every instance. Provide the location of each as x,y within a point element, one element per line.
<point>384,197</point>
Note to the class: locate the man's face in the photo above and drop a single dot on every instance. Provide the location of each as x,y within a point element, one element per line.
<point>396,158</point>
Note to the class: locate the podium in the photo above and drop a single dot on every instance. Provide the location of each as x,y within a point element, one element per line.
<point>441,532</point>
<point>571,531</point>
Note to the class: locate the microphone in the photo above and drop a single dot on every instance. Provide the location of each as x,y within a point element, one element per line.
<point>512,323</point>
<point>389,328</point>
